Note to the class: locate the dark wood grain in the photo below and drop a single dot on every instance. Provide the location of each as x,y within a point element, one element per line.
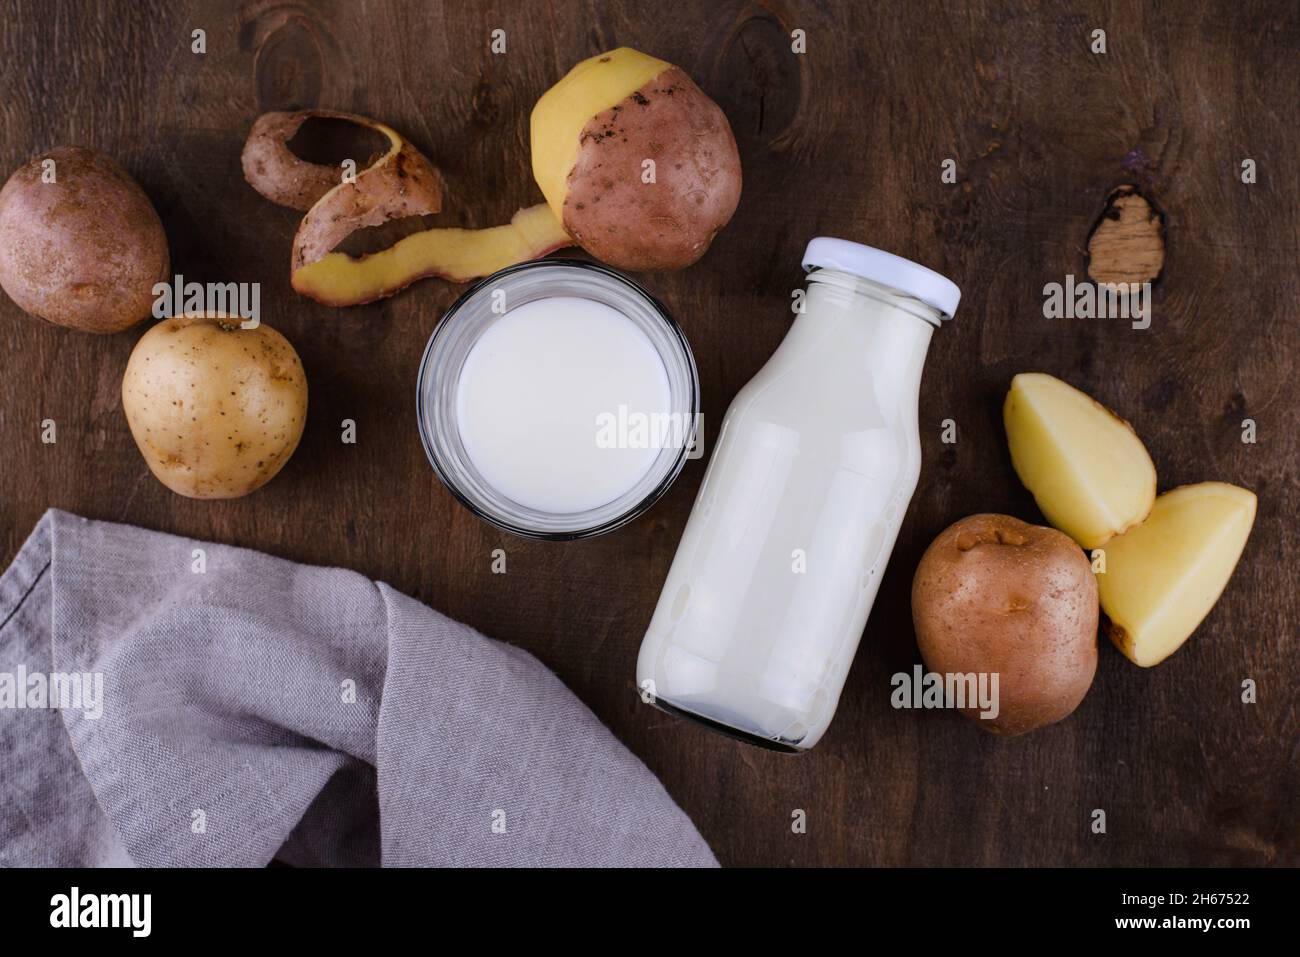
<point>844,140</point>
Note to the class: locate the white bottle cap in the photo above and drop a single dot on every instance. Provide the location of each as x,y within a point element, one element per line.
<point>907,277</point>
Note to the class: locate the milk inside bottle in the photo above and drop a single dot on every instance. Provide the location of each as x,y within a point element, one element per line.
<point>815,463</point>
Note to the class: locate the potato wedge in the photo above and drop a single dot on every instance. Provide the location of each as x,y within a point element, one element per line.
<point>1088,471</point>
<point>1163,576</point>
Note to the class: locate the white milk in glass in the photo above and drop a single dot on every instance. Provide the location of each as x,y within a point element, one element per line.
<point>536,387</point>
<point>814,466</point>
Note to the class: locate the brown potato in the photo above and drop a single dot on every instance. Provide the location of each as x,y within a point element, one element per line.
<point>993,594</point>
<point>215,409</point>
<point>84,250</point>
<point>667,224</point>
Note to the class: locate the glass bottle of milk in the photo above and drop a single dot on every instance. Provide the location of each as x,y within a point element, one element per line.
<point>816,461</point>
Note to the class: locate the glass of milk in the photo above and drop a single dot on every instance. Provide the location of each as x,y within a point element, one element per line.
<point>557,399</point>
<point>813,469</point>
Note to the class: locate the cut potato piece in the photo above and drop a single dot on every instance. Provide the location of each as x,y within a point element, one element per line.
<point>1163,576</point>
<point>1088,471</point>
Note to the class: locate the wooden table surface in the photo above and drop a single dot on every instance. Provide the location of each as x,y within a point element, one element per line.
<point>847,139</point>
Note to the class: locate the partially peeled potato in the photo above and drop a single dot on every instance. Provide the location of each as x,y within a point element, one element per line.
<point>636,161</point>
<point>637,164</point>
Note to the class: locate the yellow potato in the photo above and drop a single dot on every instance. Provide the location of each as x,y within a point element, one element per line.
<point>1087,469</point>
<point>1162,577</point>
<point>215,409</point>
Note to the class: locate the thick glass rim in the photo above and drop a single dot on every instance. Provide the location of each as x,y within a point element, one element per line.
<point>643,504</point>
<point>879,291</point>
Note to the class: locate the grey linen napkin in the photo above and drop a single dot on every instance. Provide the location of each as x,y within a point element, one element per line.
<point>261,709</point>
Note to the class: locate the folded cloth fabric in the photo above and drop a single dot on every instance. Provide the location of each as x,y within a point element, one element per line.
<point>220,707</point>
